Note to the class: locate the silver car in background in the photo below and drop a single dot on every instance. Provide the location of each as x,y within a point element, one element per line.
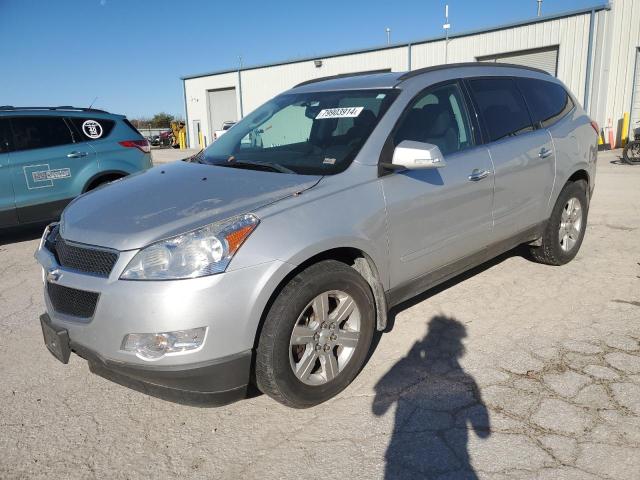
<point>272,256</point>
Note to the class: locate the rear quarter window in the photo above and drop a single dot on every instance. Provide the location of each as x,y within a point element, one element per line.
<point>547,101</point>
<point>90,129</point>
<point>501,107</point>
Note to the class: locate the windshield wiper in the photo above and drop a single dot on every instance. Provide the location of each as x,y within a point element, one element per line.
<point>274,167</point>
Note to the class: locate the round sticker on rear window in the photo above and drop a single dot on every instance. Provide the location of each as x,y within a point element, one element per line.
<point>92,129</point>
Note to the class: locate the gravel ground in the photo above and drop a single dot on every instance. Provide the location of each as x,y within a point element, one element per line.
<point>516,370</point>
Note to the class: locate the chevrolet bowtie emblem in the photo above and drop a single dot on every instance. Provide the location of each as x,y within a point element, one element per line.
<point>53,275</point>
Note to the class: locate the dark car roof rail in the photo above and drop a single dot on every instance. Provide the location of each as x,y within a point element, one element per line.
<point>341,75</point>
<point>420,71</point>
<point>11,108</point>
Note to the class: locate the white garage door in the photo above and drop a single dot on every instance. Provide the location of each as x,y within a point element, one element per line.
<point>222,108</point>
<point>635,103</point>
<point>543,58</point>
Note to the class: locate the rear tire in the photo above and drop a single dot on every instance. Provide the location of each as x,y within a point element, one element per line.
<point>566,227</point>
<point>316,335</point>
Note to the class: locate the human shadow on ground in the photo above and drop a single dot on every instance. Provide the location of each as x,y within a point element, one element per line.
<point>437,404</point>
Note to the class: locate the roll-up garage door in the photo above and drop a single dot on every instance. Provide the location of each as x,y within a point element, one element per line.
<point>222,108</point>
<point>543,58</point>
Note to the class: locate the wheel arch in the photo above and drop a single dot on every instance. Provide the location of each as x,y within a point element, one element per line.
<point>352,256</point>
<point>105,175</point>
<point>580,174</point>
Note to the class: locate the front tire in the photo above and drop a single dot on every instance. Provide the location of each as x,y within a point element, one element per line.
<point>566,227</point>
<point>316,335</point>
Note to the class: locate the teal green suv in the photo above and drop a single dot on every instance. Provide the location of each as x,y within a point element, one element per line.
<point>50,155</point>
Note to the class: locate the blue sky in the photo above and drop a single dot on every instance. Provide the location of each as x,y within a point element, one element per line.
<point>131,53</point>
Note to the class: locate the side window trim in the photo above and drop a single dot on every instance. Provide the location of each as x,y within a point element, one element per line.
<point>479,135</point>
<point>387,150</point>
<point>75,135</point>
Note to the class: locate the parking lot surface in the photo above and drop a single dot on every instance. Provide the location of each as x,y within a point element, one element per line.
<point>515,370</point>
<point>165,155</point>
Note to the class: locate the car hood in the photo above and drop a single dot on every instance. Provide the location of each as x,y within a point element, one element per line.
<point>172,199</point>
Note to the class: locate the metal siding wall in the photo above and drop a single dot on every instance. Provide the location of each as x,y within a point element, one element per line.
<point>616,36</point>
<point>624,22</point>
<point>635,106</point>
<point>261,84</point>
<point>571,34</point>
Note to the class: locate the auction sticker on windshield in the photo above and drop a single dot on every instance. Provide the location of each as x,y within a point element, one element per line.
<point>347,112</point>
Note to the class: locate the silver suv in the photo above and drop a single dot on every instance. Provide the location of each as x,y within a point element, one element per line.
<point>271,257</point>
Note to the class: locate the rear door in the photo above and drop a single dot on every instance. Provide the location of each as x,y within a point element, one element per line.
<point>95,132</point>
<point>7,201</point>
<point>44,162</point>
<point>522,154</point>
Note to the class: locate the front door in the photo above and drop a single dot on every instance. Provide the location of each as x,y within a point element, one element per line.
<point>44,162</point>
<point>7,202</point>
<point>438,216</point>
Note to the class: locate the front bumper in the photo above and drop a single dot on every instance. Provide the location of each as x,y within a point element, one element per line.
<point>230,305</point>
<point>213,383</point>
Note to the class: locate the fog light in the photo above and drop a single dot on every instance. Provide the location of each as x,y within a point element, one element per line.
<point>151,346</point>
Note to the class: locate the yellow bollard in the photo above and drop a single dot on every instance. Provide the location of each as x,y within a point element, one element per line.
<point>200,140</point>
<point>624,136</point>
<point>182,140</point>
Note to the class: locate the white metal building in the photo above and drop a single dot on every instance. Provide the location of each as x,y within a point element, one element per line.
<point>595,52</point>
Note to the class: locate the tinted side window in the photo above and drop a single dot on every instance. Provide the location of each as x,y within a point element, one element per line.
<point>5,135</point>
<point>437,116</point>
<point>91,128</point>
<point>548,101</point>
<point>501,106</point>
<point>39,132</point>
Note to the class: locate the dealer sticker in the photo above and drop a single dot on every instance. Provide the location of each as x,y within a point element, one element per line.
<point>57,174</point>
<point>92,129</point>
<point>346,112</point>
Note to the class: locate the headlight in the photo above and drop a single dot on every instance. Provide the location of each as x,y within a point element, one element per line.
<point>205,251</point>
<point>151,346</point>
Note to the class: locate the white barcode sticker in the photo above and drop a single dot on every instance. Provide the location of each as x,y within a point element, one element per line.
<point>346,112</point>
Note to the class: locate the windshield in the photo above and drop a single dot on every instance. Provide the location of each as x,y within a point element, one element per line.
<point>305,133</point>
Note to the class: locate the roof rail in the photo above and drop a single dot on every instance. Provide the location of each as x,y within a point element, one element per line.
<point>63,107</point>
<point>435,68</point>
<point>342,75</point>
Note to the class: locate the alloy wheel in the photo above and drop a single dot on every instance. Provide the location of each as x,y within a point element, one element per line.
<point>324,337</point>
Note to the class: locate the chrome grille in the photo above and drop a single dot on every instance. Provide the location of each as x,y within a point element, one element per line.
<point>71,301</point>
<point>84,259</point>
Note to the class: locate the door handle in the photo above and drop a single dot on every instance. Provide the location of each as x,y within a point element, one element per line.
<point>478,175</point>
<point>76,154</point>
<point>545,152</point>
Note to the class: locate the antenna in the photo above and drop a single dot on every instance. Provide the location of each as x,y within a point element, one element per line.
<point>94,101</point>
<point>388,30</point>
<point>539,7</point>
<point>446,28</point>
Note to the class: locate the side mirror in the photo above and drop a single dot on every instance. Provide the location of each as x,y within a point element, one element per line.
<point>417,155</point>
